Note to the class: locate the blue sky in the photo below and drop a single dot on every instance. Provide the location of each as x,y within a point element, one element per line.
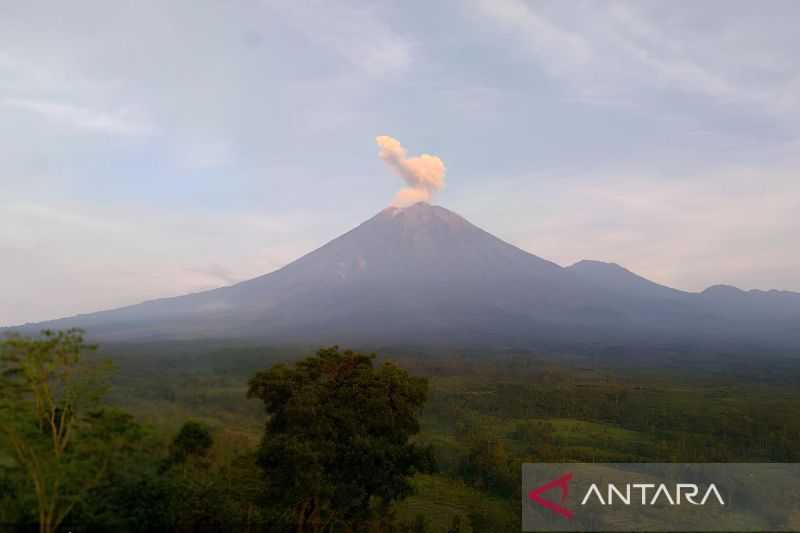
<point>152,149</point>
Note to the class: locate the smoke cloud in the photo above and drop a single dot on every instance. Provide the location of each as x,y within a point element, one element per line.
<point>424,175</point>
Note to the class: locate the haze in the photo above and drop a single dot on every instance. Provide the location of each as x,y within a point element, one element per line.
<point>154,149</point>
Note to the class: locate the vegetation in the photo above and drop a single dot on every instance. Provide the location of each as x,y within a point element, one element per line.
<point>336,451</point>
<point>342,441</point>
<point>48,420</point>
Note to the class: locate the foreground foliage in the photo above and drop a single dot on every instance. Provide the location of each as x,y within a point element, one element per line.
<point>49,421</point>
<point>336,450</point>
<point>198,456</point>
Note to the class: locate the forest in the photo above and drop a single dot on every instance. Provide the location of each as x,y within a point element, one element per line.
<point>219,436</point>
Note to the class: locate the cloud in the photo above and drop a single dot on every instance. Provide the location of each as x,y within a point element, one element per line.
<point>136,253</point>
<point>424,174</point>
<point>359,35</point>
<point>615,50</point>
<point>119,122</point>
<point>558,48</point>
<point>217,275</point>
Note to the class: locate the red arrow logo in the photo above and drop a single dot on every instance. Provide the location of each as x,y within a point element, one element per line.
<point>563,484</point>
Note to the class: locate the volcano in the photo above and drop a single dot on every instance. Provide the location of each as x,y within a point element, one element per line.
<point>423,275</point>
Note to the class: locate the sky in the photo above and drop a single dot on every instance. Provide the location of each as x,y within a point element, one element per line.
<point>151,149</point>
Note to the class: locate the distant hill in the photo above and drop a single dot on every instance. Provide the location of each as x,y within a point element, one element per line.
<point>423,275</point>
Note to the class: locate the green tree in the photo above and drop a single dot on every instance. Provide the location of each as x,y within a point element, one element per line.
<point>133,495</point>
<point>490,466</point>
<point>49,419</point>
<point>196,479</point>
<point>194,440</point>
<point>336,449</point>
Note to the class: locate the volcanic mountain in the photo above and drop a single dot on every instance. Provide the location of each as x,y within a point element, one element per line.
<point>423,275</point>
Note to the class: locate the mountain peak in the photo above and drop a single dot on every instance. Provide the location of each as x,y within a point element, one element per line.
<point>422,274</point>
<point>724,290</point>
<point>422,213</point>
<point>394,210</point>
<point>618,278</point>
<point>419,207</point>
<point>598,265</point>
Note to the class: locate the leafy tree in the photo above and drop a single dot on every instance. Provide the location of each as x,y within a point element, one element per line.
<point>49,422</point>
<point>196,479</point>
<point>243,494</point>
<point>489,466</point>
<point>215,483</point>
<point>133,495</point>
<point>336,448</point>
<point>193,440</point>
<point>16,502</point>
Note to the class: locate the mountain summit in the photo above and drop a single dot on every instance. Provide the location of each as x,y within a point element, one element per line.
<point>424,275</point>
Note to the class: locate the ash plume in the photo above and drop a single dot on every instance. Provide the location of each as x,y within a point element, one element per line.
<point>424,174</point>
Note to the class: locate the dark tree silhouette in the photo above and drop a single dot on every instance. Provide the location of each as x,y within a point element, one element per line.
<point>336,448</point>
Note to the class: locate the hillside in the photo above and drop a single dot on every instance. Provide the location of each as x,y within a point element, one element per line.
<point>423,275</point>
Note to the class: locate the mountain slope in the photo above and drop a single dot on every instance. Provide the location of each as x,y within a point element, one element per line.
<point>613,277</point>
<point>424,275</point>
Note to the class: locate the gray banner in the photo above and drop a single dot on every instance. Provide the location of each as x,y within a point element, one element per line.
<point>661,497</point>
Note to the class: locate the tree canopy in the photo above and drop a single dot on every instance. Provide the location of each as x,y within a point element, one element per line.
<point>336,448</point>
<point>50,420</point>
